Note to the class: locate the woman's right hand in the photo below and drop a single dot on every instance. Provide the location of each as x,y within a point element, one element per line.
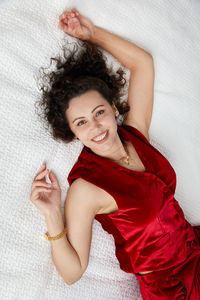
<point>76,25</point>
<point>46,197</point>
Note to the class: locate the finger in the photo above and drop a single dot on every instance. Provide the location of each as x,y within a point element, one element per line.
<point>63,27</point>
<point>39,190</point>
<point>65,18</point>
<point>68,27</point>
<point>42,175</point>
<point>42,168</point>
<point>43,165</point>
<point>63,22</point>
<point>39,183</point>
<point>53,179</point>
<point>75,11</point>
<point>60,17</point>
<point>65,15</point>
<point>73,23</point>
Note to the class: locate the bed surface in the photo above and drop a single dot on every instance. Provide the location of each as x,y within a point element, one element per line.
<point>29,36</point>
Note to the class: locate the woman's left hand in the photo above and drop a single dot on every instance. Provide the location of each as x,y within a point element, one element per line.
<point>76,25</point>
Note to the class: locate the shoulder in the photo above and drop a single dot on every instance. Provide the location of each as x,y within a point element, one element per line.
<point>82,185</point>
<point>142,130</point>
<point>86,192</point>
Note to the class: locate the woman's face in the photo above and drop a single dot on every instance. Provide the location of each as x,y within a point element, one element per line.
<point>92,119</point>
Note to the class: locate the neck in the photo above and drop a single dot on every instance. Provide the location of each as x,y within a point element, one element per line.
<point>122,154</point>
<point>118,151</point>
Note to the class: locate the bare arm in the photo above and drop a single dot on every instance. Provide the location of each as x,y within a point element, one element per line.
<point>127,53</point>
<point>141,83</point>
<point>70,253</point>
<point>136,59</point>
<point>64,256</point>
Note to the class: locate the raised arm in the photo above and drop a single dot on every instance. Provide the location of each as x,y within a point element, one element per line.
<point>137,60</point>
<point>128,54</point>
<point>141,83</point>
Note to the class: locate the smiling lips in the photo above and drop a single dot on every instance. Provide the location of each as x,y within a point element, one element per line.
<point>100,137</point>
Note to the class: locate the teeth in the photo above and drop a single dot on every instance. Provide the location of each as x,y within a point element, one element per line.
<point>100,137</point>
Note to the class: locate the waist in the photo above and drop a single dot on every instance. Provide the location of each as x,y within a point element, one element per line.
<point>143,273</point>
<point>193,250</point>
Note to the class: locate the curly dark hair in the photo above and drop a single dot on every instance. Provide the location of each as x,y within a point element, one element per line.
<point>74,75</point>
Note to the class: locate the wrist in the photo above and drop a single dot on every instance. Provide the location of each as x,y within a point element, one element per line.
<point>94,34</point>
<point>54,221</point>
<point>52,212</point>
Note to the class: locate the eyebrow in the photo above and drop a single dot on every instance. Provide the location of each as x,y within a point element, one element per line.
<point>91,112</point>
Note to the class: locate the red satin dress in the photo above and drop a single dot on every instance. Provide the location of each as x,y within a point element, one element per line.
<point>149,228</point>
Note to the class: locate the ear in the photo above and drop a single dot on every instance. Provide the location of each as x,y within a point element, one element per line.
<point>115,109</point>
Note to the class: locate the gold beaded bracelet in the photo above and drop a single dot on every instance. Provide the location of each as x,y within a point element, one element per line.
<point>53,238</point>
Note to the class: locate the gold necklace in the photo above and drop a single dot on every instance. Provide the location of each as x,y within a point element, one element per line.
<point>126,159</point>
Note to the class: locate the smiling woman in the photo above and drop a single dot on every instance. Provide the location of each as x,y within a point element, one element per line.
<point>119,178</point>
<point>95,127</point>
<point>78,71</point>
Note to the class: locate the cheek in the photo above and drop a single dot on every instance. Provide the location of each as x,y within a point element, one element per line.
<point>109,117</point>
<point>112,120</point>
<point>81,132</point>
<point>74,130</point>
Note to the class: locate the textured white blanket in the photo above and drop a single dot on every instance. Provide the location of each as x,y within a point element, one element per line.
<point>29,36</point>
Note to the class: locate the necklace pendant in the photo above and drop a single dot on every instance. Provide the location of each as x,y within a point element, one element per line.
<point>126,160</point>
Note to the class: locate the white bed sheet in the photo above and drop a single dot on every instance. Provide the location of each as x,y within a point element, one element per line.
<point>29,36</point>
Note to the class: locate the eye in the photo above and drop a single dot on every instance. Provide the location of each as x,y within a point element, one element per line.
<point>100,111</point>
<point>78,124</point>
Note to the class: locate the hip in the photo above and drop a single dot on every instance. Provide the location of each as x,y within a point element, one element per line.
<point>193,252</point>
<point>179,282</point>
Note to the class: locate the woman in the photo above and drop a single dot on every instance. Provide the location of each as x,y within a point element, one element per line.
<point>119,178</point>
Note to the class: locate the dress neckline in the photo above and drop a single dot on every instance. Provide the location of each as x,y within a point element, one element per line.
<point>126,136</point>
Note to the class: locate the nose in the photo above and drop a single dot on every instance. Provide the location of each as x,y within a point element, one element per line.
<point>96,128</point>
<point>96,123</point>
